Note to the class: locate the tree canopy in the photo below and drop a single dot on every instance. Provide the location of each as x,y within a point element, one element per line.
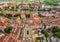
<point>45,32</point>
<point>56,31</point>
<point>27,15</point>
<point>52,2</point>
<point>8,29</point>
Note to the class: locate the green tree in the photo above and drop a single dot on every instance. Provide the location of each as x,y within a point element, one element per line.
<point>56,31</point>
<point>1,14</point>
<point>17,15</point>
<point>45,32</point>
<point>8,15</point>
<point>27,15</point>
<point>6,8</point>
<point>12,8</point>
<point>57,34</point>
<point>8,29</point>
<point>40,15</point>
<point>40,39</point>
<point>52,2</point>
<point>0,9</point>
<point>30,8</point>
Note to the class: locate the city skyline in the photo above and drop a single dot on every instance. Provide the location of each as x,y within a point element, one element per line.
<point>29,21</point>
